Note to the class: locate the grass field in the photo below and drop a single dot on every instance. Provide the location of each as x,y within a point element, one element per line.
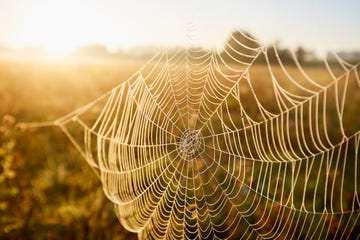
<point>47,189</point>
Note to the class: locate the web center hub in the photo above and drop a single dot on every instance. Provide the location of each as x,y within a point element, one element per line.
<point>191,144</point>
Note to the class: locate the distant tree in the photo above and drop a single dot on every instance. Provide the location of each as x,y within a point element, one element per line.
<point>4,49</point>
<point>144,52</point>
<point>351,56</point>
<point>240,46</point>
<point>285,56</point>
<point>274,54</point>
<point>95,50</point>
<point>301,54</point>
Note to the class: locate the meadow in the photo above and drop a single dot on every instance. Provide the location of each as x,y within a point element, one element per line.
<point>47,190</point>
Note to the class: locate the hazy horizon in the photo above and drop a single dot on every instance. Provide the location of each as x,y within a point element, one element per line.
<point>62,27</point>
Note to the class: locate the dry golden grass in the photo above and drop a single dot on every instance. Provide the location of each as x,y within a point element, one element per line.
<point>52,191</point>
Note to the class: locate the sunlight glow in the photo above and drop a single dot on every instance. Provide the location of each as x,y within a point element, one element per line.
<point>62,26</point>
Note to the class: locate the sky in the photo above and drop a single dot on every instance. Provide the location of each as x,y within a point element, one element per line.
<point>62,26</point>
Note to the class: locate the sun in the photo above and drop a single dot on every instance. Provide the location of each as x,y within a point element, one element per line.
<point>62,26</point>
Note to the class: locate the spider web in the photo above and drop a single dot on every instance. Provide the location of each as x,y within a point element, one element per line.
<point>203,145</point>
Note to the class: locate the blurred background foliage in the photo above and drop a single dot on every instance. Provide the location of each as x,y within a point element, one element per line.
<point>47,191</point>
